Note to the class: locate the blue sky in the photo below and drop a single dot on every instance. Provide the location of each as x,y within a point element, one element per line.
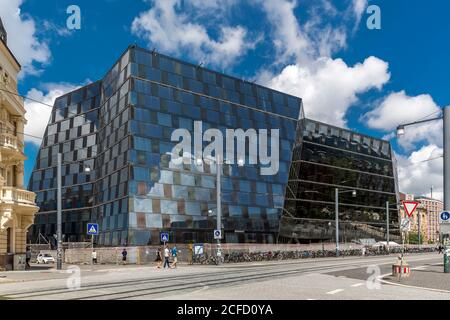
<point>320,50</point>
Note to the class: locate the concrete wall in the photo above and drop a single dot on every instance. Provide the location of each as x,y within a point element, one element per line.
<point>147,254</point>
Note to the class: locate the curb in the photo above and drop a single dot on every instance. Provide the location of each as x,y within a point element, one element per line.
<point>382,280</point>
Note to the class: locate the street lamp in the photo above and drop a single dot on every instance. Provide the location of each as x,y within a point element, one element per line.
<point>218,196</point>
<point>400,130</point>
<point>336,199</point>
<point>446,118</point>
<point>87,169</point>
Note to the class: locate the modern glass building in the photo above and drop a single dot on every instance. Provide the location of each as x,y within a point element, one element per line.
<point>325,158</point>
<point>121,128</point>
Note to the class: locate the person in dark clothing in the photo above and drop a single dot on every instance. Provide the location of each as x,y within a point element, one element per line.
<point>28,258</point>
<point>158,259</point>
<point>124,256</point>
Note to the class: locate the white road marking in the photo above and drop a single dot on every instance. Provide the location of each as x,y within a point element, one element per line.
<point>335,291</point>
<point>357,285</point>
<point>419,268</point>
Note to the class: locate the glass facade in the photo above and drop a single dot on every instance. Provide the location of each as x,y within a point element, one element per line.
<point>121,127</point>
<point>71,131</point>
<point>135,191</point>
<point>326,158</point>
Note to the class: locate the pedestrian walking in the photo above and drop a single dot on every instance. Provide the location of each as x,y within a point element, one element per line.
<point>158,259</point>
<point>166,257</point>
<point>94,257</point>
<point>174,256</point>
<point>124,256</point>
<point>28,258</point>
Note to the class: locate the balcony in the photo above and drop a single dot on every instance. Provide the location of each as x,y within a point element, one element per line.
<point>11,147</point>
<point>11,195</point>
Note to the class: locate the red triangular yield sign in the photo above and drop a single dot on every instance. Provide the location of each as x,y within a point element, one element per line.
<point>410,206</point>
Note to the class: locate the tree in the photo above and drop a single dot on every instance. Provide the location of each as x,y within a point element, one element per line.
<point>413,238</point>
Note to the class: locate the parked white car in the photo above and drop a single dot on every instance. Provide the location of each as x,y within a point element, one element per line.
<point>45,258</point>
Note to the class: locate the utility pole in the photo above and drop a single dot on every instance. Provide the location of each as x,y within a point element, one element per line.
<point>446,118</point>
<point>387,225</point>
<point>59,214</point>
<point>418,226</point>
<point>336,210</point>
<point>446,175</point>
<point>219,204</point>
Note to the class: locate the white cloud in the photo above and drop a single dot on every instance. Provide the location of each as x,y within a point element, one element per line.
<point>416,174</point>
<point>288,38</point>
<point>169,28</point>
<point>399,108</point>
<point>206,5</point>
<point>22,39</point>
<point>358,8</point>
<point>38,114</point>
<point>329,87</point>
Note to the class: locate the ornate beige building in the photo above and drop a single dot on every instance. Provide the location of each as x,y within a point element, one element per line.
<point>17,205</point>
<point>434,208</point>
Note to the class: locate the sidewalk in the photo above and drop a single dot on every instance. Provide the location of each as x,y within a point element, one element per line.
<point>429,276</point>
<point>43,272</point>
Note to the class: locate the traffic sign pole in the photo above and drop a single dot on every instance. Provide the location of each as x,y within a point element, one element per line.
<point>92,247</point>
<point>446,266</point>
<point>387,225</point>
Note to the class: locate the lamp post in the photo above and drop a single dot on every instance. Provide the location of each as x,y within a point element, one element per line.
<point>336,204</point>
<point>219,203</point>
<point>446,118</point>
<point>58,214</point>
<point>59,248</point>
<point>217,160</point>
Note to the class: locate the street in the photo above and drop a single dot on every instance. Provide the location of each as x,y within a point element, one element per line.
<point>308,279</point>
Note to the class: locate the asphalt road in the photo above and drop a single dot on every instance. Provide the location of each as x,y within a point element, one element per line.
<point>326,278</point>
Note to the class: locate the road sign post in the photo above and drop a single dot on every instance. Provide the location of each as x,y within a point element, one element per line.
<point>409,207</point>
<point>444,224</point>
<point>92,230</point>
<point>164,237</point>
<point>446,266</point>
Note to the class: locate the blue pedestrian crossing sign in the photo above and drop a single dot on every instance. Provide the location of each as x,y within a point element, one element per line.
<point>164,237</point>
<point>92,229</point>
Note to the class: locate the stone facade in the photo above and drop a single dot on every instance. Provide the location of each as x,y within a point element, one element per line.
<point>434,207</point>
<point>17,205</point>
<point>428,209</point>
